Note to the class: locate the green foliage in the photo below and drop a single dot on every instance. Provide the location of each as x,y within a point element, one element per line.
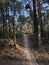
<point>16,5</point>
<point>22,19</point>
<point>46,31</point>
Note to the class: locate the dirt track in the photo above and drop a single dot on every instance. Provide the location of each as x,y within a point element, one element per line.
<point>21,55</point>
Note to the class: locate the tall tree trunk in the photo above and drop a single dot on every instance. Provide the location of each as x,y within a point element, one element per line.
<point>36,23</point>
<point>41,25</point>
<point>14,27</point>
<point>2,12</point>
<point>14,33</point>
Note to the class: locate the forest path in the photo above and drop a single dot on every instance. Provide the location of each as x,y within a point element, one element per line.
<point>19,56</point>
<point>27,53</point>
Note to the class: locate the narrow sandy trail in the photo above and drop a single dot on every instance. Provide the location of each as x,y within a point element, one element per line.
<point>27,53</point>
<point>20,56</point>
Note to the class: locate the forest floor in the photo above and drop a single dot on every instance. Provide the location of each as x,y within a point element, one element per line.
<point>24,54</point>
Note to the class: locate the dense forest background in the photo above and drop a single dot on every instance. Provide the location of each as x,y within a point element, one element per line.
<point>25,23</point>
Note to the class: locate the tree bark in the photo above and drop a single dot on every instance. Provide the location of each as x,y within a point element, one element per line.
<point>14,28</point>
<point>36,24</point>
<point>3,21</point>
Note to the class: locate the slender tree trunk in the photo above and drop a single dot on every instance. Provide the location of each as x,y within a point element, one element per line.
<point>14,33</point>
<point>2,12</point>
<point>41,25</point>
<point>14,27</point>
<point>6,22</point>
<point>9,29</point>
<point>8,18</point>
